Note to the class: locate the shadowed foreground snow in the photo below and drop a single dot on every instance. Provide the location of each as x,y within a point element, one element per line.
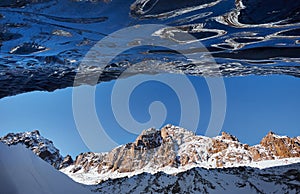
<point>23,172</point>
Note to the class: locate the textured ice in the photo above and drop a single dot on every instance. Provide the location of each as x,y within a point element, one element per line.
<point>43,42</point>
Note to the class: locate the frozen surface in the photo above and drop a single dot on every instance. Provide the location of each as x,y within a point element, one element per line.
<point>43,42</point>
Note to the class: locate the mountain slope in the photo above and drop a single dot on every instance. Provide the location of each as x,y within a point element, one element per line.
<point>41,146</point>
<point>284,179</point>
<point>23,172</point>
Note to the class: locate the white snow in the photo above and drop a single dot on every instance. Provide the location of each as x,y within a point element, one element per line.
<point>23,172</point>
<point>93,177</point>
<point>200,180</point>
<point>272,163</point>
<point>37,144</point>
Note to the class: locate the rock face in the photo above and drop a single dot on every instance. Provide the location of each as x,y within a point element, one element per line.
<point>149,139</point>
<point>175,147</point>
<point>282,147</point>
<point>41,146</point>
<point>67,161</point>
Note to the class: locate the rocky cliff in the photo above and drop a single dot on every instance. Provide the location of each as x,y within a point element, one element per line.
<point>177,148</point>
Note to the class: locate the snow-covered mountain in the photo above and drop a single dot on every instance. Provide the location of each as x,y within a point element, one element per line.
<point>234,180</point>
<point>173,149</point>
<point>170,160</point>
<point>22,172</point>
<point>41,146</point>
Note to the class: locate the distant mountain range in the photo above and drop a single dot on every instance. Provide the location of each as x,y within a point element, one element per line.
<point>173,160</point>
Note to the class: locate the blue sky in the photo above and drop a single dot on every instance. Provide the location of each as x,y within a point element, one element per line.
<point>255,105</point>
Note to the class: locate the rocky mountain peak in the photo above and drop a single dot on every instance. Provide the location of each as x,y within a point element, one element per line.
<point>270,133</point>
<point>153,138</point>
<point>41,146</point>
<point>281,146</point>
<point>227,136</point>
<point>35,132</point>
<point>148,139</point>
<point>67,161</point>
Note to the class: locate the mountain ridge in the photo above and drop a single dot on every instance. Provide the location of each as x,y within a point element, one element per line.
<point>172,150</point>
<point>41,146</point>
<point>23,172</point>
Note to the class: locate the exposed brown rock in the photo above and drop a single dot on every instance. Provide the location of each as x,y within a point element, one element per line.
<point>184,159</point>
<point>164,133</point>
<point>149,139</point>
<point>67,161</point>
<point>283,147</point>
<point>256,156</point>
<point>218,146</point>
<point>229,137</point>
<point>78,159</point>
<point>174,146</point>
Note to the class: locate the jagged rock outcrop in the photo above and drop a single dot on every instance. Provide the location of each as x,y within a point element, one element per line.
<point>41,146</point>
<point>281,146</point>
<point>149,139</point>
<point>67,161</point>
